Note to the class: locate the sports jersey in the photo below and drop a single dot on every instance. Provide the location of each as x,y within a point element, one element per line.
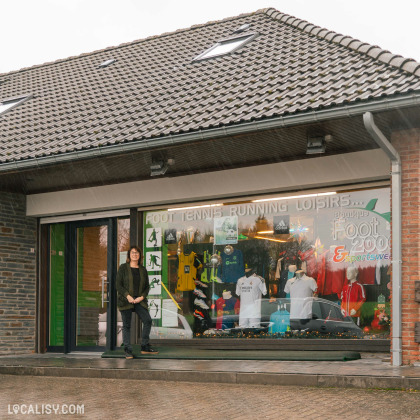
<point>209,272</point>
<point>283,263</point>
<point>309,262</point>
<point>232,266</point>
<point>225,307</point>
<point>279,322</point>
<point>331,276</point>
<point>352,297</point>
<point>187,271</point>
<point>367,275</point>
<point>301,292</point>
<point>250,289</point>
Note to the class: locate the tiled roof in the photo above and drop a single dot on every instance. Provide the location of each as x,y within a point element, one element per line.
<point>154,88</point>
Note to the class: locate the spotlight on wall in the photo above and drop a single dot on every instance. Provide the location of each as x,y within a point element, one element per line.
<point>159,167</point>
<point>316,144</point>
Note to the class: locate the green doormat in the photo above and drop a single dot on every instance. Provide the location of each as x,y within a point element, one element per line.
<point>186,353</point>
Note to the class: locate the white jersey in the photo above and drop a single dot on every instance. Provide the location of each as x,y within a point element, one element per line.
<point>250,289</point>
<point>301,292</point>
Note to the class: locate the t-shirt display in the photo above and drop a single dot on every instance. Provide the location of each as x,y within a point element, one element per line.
<point>187,271</point>
<point>224,309</point>
<point>301,289</point>
<point>250,289</point>
<point>232,266</point>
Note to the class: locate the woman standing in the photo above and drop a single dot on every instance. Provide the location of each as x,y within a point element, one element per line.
<point>133,288</point>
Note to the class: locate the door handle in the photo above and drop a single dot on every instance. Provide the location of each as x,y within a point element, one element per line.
<point>104,299</point>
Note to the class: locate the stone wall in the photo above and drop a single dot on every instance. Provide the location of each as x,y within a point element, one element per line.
<point>17,276</point>
<point>407,143</point>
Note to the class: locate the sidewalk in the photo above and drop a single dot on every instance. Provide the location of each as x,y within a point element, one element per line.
<point>371,371</point>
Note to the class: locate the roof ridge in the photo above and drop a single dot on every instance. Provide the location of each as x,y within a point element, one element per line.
<point>406,64</point>
<point>124,44</point>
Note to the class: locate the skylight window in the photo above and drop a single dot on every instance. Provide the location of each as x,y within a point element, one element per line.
<point>6,105</point>
<point>225,47</point>
<point>107,63</point>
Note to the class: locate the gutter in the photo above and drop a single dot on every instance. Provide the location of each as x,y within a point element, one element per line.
<point>393,155</point>
<point>346,111</point>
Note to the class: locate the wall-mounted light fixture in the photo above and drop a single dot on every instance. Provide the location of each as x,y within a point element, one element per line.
<point>159,167</point>
<point>317,144</point>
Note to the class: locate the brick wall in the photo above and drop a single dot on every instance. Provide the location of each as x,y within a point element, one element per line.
<point>407,142</point>
<point>17,276</point>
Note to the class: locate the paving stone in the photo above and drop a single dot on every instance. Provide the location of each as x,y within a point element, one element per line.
<point>156,400</point>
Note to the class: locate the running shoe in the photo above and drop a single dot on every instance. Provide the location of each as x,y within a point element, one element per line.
<point>200,283</point>
<point>199,293</point>
<point>198,314</point>
<point>200,304</point>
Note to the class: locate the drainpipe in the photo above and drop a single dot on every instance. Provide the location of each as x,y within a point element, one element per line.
<point>393,155</point>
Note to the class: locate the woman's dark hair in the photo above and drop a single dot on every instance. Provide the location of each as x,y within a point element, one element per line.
<point>137,249</point>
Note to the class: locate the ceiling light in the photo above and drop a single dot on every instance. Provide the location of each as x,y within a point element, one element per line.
<point>195,207</point>
<point>270,239</point>
<point>292,197</point>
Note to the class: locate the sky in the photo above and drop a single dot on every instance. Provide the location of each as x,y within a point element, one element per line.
<point>37,31</point>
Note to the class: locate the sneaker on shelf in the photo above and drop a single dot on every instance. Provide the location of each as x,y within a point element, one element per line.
<point>148,350</point>
<point>200,283</point>
<point>200,304</point>
<point>129,354</point>
<point>198,314</point>
<point>214,297</point>
<point>216,280</point>
<point>199,293</point>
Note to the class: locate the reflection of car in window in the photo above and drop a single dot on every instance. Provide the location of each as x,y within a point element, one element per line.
<point>178,327</point>
<point>326,319</point>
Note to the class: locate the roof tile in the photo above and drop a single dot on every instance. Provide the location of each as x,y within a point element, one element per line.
<point>154,89</point>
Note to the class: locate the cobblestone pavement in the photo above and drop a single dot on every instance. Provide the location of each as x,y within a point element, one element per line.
<point>158,400</point>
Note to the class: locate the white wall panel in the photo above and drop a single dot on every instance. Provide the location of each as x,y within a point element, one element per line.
<point>317,172</point>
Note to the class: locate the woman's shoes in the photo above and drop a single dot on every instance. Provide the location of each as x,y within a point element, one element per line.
<point>148,350</point>
<point>129,354</point>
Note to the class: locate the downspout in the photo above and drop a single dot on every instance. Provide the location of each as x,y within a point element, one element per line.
<point>393,155</point>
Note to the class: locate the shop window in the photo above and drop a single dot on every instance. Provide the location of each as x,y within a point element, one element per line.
<point>315,265</point>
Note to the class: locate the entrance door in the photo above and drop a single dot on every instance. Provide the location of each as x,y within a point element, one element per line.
<point>90,269</point>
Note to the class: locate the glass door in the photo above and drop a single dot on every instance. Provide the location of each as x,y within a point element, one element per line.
<point>90,270</point>
<point>91,285</point>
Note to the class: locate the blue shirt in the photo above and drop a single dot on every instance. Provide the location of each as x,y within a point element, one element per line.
<point>232,267</point>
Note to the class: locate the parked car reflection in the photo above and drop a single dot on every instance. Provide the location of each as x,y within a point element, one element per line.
<point>326,319</point>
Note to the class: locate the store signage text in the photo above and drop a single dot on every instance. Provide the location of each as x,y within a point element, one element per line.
<point>250,209</point>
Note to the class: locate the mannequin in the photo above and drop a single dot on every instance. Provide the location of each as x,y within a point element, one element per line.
<point>226,306</point>
<point>292,271</point>
<point>353,295</point>
<point>250,288</point>
<point>226,294</point>
<point>302,289</point>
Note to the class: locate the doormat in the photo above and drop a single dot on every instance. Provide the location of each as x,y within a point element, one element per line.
<point>166,352</point>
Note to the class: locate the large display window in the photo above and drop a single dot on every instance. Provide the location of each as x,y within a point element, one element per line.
<point>312,265</point>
